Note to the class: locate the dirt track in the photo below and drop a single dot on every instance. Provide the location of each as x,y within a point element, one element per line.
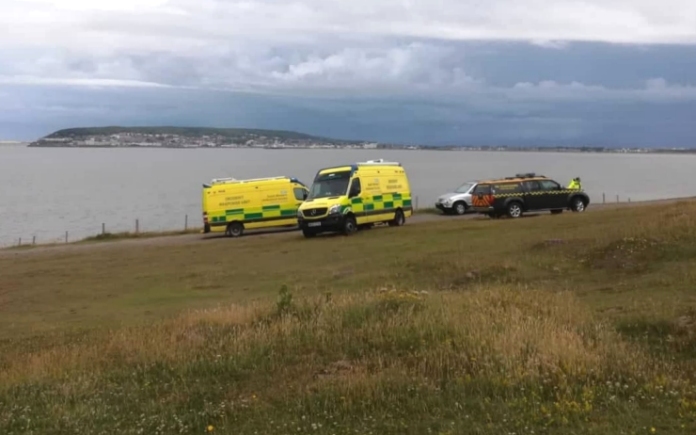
<point>200,238</point>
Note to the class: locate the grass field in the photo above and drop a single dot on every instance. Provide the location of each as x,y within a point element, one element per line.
<point>570,324</point>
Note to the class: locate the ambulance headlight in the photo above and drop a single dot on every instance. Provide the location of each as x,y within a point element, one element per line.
<point>336,209</point>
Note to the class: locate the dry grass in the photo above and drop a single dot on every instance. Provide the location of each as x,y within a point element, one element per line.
<point>540,358</point>
<point>566,324</point>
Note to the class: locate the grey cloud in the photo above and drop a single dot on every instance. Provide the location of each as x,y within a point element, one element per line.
<point>485,121</point>
<point>340,67</point>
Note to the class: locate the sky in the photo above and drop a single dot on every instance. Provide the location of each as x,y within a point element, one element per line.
<point>613,73</point>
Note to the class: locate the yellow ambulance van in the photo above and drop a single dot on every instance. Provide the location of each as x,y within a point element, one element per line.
<point>232,206</point>
<point>344,198</point>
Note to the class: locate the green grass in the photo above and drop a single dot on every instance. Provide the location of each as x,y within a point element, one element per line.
<point>106,237</point>
<point>572,324</point>
<point>125,235</point>
<point>110,237</point>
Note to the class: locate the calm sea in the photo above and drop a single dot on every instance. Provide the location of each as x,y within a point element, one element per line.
<point>45,192</point>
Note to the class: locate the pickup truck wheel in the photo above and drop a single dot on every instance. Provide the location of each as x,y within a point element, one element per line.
<point>514,209</point>
<point>459,207</point>
<point>235,229</point>
<point>577,205</point>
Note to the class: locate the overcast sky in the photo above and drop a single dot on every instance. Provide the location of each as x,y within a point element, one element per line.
<point>517,72</point>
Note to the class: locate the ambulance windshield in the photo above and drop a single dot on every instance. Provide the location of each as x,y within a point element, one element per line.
<point>330,184</point>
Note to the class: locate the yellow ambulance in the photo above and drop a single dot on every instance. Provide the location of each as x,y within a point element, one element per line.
<point>344,198</point>
<point>232,206</point>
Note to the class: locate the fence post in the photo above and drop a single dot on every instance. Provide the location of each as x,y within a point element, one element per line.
<point>186,223</point>
<point>33,240</point>
<point>103,228</point>
<point>629,200</point>
<point>137,226</point>
<point>416,203</point>
<point>20,242</point>
<point>604,198</point>
<point>617,198</point>
<point>66,237</point>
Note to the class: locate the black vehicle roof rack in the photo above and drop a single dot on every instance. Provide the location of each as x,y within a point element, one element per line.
<point>526,175</point>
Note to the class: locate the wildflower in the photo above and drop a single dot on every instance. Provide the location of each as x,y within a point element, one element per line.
<point>210,428</point>
<point>652,430</point>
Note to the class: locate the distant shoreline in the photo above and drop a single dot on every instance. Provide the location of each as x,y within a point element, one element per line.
<point>171,137</point>
<point>586,150</point>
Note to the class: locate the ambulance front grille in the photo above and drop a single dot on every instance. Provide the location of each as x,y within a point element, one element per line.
<point>314,212</point>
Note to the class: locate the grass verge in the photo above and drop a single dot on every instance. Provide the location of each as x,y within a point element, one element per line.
<point>573,324</point>
<point>127,235</point>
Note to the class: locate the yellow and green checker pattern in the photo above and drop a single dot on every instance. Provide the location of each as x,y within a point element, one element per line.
<point>267,213</point>
<point>379,204</point>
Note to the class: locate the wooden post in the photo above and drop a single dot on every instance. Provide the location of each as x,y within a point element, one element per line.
<point>20,242</point>
<point>617,198</point>
<point>604,198</point>
<point>33,240</point>
<point>186,223</point>
<point>137,226</point>
<point>103,228</point>
<point>629,200</point>
<point>66,237</point>
<point>416,208</point>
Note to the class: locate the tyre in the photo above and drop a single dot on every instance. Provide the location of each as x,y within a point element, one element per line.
<point>349,226</point>
<point>577,205</point>
<point>514,210</point>
<point>398,220</point>
<point>235,229</point>
<point>459,208</point>
<point>309,233</point>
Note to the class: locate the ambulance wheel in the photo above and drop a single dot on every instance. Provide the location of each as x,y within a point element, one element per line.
<point>398,220</point>
<point>349,226</point>
<point>309,233</point>
<point>235,229</point>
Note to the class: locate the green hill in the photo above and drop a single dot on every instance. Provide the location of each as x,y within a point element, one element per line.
<point>168,136</point>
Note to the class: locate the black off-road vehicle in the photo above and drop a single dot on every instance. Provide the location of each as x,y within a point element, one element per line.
<point>513,196</point>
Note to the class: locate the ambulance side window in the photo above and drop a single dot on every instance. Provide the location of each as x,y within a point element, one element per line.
<point>300,194</point>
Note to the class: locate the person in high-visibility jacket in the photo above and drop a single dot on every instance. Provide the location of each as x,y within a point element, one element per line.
<point>575,184</point>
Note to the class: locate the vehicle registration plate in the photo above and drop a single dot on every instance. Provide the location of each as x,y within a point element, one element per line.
<point>314,224</point>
